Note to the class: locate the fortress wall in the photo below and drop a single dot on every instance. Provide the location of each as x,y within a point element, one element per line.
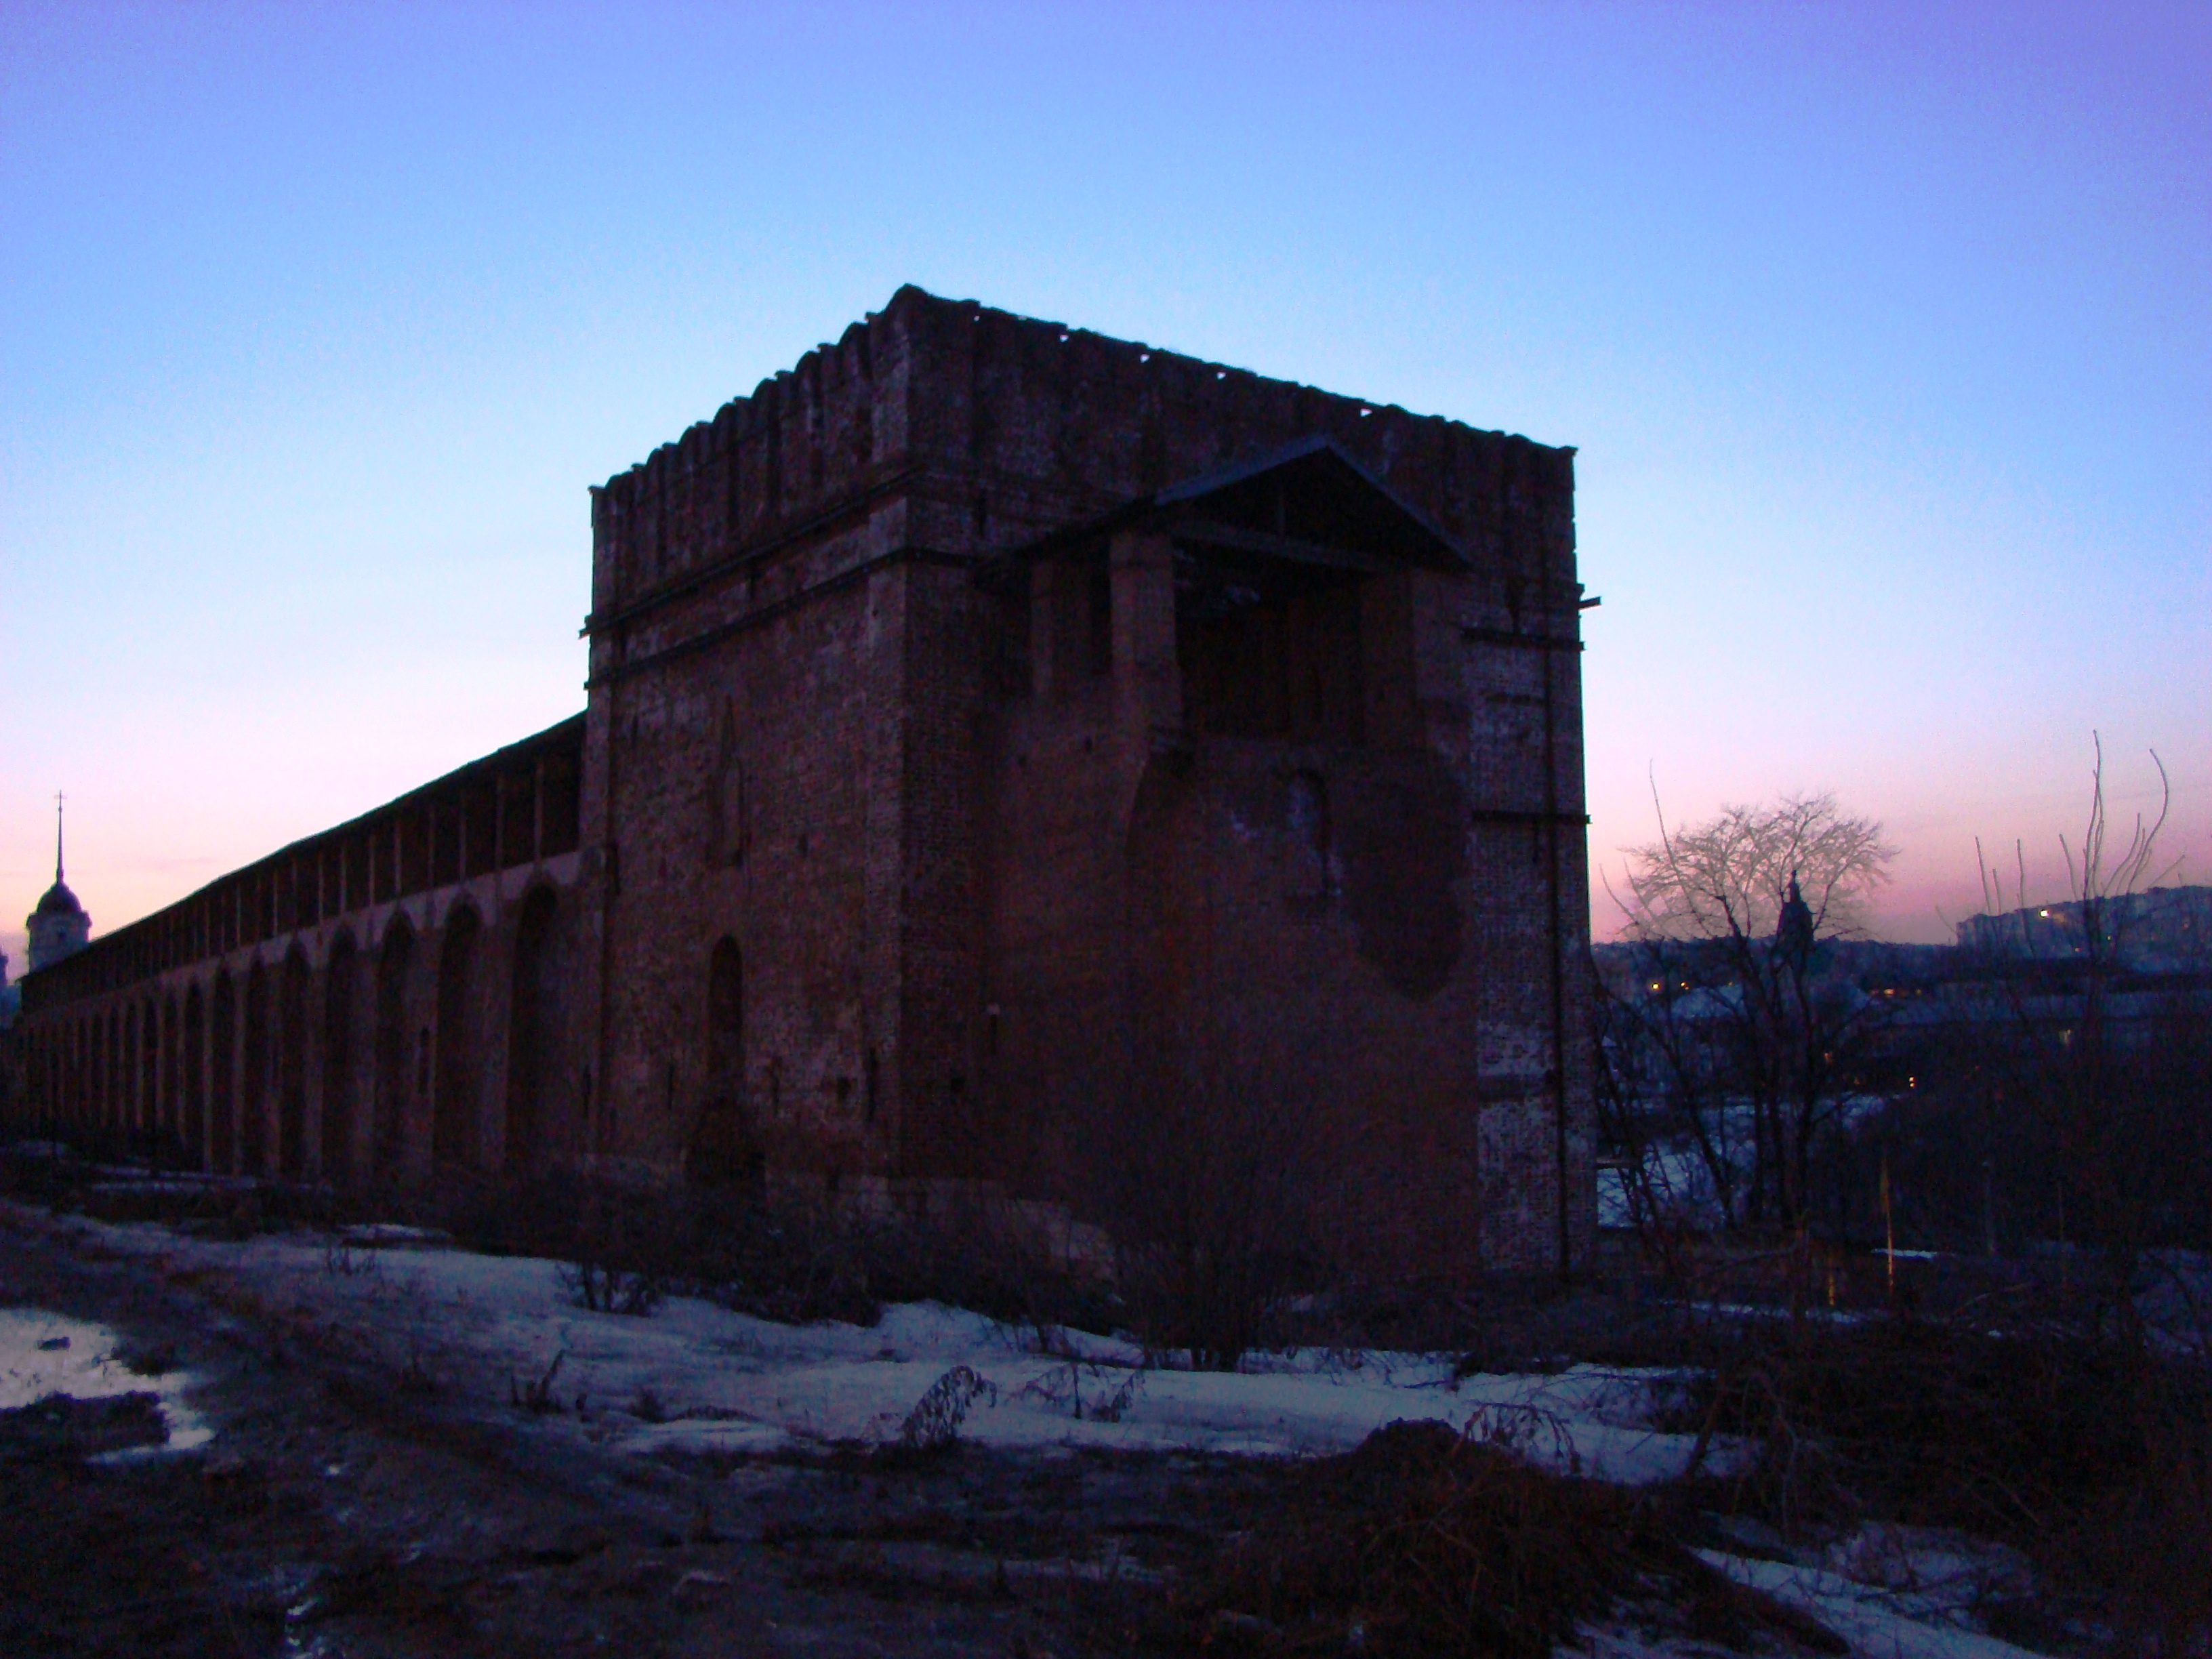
<point>846,896</point>
<point>241,1025</point>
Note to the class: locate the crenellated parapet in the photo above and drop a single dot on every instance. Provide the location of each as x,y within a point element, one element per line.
<point>990,428</point>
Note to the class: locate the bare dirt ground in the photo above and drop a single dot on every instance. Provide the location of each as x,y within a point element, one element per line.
<point>376,1452</point>
<point>344,1508</point>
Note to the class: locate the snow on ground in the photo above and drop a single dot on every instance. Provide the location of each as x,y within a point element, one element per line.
<point>725,1381</point>
<point>696,1378</point>
<point>43,1353</point>
<point>1890,1592</point>
<point>1898,1612</point>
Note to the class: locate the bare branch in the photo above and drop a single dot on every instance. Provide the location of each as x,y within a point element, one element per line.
<point>1726,879</point>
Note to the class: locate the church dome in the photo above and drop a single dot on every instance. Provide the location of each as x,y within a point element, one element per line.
<point>58,902</point>
<point>59,926</point>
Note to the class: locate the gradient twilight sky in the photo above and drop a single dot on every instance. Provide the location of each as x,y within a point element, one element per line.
<point>1885,332</point>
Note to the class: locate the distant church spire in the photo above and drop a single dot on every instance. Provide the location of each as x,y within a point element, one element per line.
<point>59,926</point>
<point>1793,928</point>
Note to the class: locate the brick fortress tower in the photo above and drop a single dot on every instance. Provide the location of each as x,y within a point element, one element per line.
<point>1023,757</point>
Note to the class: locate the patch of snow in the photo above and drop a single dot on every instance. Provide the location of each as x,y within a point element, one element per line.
<point>383,1235</point>
<point>1908,1622</point>
<point>43,1353</point>
<point>698,1378</point>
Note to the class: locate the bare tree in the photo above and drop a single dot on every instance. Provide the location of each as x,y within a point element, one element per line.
<point>1734,1004</point>
<point>2120,1127</point>
<point>1217,1216</point>
<point>1729,878</point>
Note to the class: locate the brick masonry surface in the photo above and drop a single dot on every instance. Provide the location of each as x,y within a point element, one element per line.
<point>967,802</point>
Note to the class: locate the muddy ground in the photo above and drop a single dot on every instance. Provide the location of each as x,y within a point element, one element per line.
<point>345,1508</point>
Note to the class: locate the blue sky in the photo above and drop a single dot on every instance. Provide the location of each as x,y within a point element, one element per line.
<point>1885,334</point>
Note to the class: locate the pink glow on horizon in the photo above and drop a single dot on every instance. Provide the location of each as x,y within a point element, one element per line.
<point>1881,331</point>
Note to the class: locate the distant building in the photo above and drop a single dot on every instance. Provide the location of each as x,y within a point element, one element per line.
<point>2165,930</point>
<point>59,927</point>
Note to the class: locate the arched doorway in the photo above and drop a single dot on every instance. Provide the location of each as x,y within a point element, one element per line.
<point>172,1074</point>
<point>150,1070</point>
<point>192,1100</point>
<point>102,1115</point>
<point>341,1060</point>
<point>253,1072</point>
<point>222,1077</point>
<point>538,1030</point>
<point>395,1076</point>
<point>128,1071</point>
<point>292,1066</point>
<point>460,1062</point>
<point>723,1148</point>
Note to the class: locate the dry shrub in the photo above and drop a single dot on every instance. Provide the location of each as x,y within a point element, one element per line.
<point>1219,1211</point>
<point>1426,1542</point>
<point>934,1425</point>
<point>793,1261</point>
<point>1922,1423</point>
<point>2093,1457</point>
<point>799,1261</point>
<point>626,1246</point>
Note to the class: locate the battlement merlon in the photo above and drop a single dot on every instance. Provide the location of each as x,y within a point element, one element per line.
<point>997,428</point>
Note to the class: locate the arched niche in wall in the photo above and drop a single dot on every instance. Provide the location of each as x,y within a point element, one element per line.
<point>292,988</point>
<point>192,1096</point>
<point>395,1071</point>
<point>222,1076</point>
<point>253,1075</point>
<point>130,1071</point>
<point>538,1030</point>
<point>170,1107</point>
<point>722,1146</point>
<point>457,1095</point>
<point>150,1068</point>
<point>342,1034</point>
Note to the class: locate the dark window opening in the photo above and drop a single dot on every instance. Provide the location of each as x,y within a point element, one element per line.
<point>1268,651</point>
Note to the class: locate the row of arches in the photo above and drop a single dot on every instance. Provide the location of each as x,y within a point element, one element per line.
<point>450,1048</point>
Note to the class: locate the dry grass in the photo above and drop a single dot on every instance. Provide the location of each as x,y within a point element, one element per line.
<point>1424,1541</point>
<point>2093,1457</point>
